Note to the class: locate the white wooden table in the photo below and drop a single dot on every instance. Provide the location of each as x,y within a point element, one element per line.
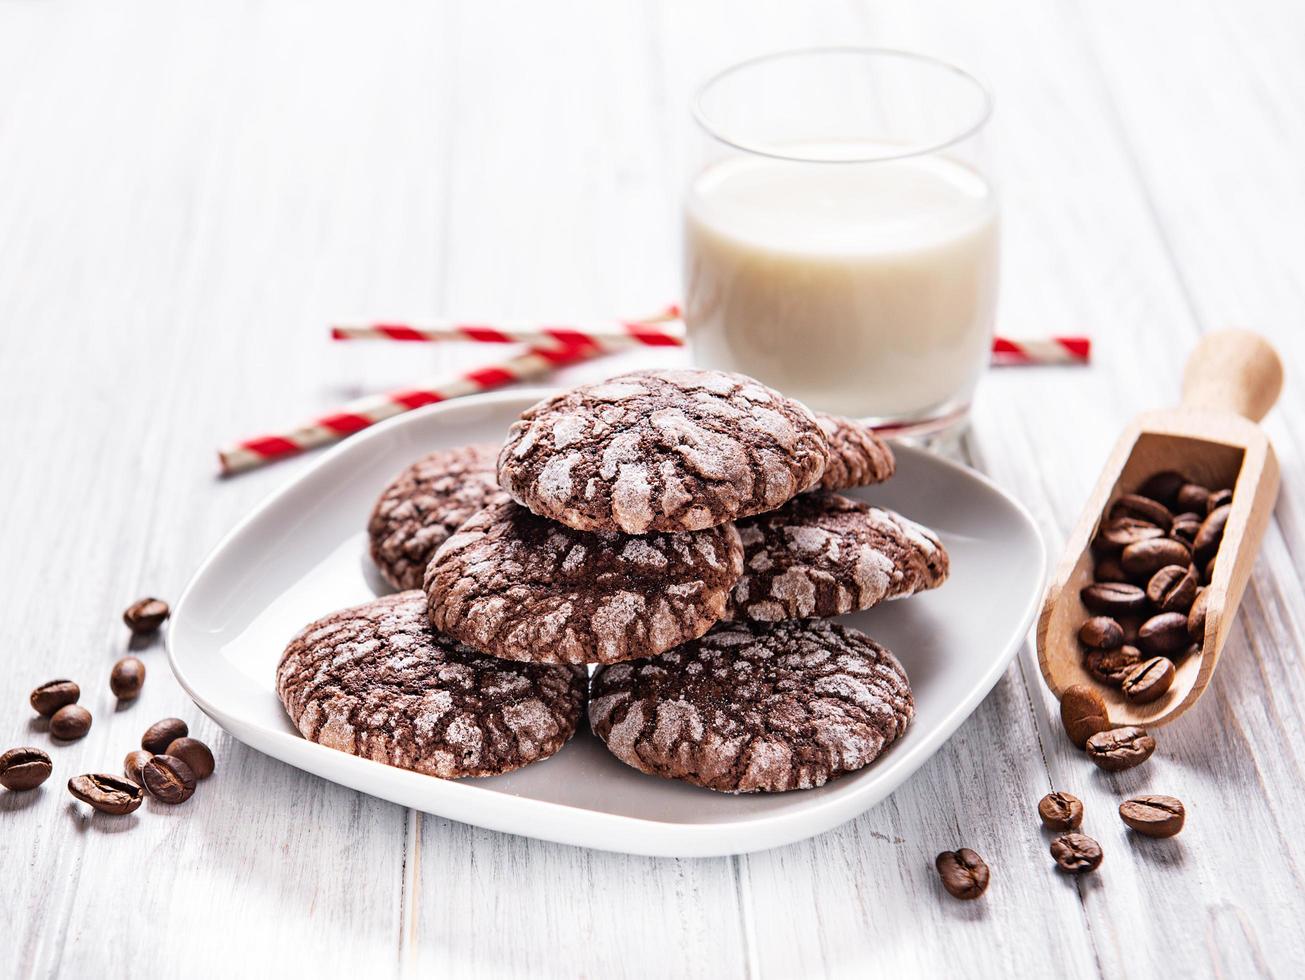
<point>189,194</point>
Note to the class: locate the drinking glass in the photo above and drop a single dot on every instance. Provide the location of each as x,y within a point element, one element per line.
<point>841,232</point>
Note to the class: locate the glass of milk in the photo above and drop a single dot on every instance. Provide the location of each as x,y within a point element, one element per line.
<point>841,233</point>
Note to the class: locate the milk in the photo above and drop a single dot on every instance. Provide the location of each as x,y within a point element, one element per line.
<point>864,289</point>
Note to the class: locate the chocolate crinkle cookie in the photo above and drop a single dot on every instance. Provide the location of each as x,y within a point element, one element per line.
<point>823,554</point>
<point>754,707</point>
<point>857,457</point>
<point>377,681</point>
<point>518,586</point>
<point>425,504</point>
<point>662,451</point>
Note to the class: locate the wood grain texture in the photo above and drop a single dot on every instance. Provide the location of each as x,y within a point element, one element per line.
<point>189,195</point>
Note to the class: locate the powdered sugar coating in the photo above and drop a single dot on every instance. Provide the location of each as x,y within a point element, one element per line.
<point>519,586</point>
<point>754,707</point>
<point>426,503</point>
<point>857,457</point>
<point>662,451</point>
<point>823,554</point>
<point>377,681</point>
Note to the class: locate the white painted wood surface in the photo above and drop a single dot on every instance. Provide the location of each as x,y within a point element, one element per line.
<point>189,194</point>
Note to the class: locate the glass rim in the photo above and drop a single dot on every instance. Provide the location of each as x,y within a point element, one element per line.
<point>714,131</point>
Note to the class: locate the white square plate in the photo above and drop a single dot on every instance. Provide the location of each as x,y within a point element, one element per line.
<point>303,553</point>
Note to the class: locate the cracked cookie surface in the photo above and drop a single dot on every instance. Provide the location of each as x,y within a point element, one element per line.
<point>823,554</point>
<point>754,707</point>
<point>662,451</point>
<point>857,457</point>
<point>519,586</point>
<point>378,682</point>
<point>425,504</point>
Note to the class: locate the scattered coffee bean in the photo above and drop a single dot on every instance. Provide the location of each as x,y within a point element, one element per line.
<point>1172,589</point>
<point>1164,635</point>
<point>127,678</point>
<point>1192,497</point>
<point>163,733</point>
<point>24,768</point>
<point>1154,816</point>
<point>1112,666</point>
<point>1196,617</point>
<point>1210,535</point>
<point>1143,509</point>
<point>145,616</point>
<point>1185,527</point>
<point>1109,570</point>
<point>1076,853</point>
<point>1119,534</point>
<point>134,763</point>
<point>963,873</point>
<point>108,794</point>
<point>70,722</point>
<point>1101,633</point>
<point>53,695</point>
<point>193,753</point>
<point>1145,558</point>
<point>168,779</point>
<point>1218,498</point>
<point>1164,487</point>
<point>1083,713</point>
<point>1118,749</point>
<point>1113,598</point>
<point>1149,681</point>
<point>1060,811</point>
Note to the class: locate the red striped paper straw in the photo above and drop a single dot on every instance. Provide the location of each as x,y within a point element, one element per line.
<point>622,335</point>
<point>261,450</point>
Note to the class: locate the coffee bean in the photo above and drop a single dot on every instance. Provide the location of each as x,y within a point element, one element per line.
<point>1192,496</point>
<point>1101,633</point>
<point>193,753</point>
<point>1060,811</point>
<point>1112,666</point>
<point>108,794</point>
<point>1120,748</point>
<point>168,779</point>
<point>145,616</point>
<point>70,722</point>
<point>134,763</point>
<point>1109,570</point>
<point>1208,577</point>
<point>1154,816</point>
<point>1143,509</point>
<point>1116,535</point>
<point>1185,528</point>
<point>963,873</point>
<point>1163,487</point>
<point>1210,535</point>
<point>1218,498</point>
<point>127,678</point>
<point>1145,558</point>
<point>163,733</point>
<point>53,695</point>
<point>1164,635</point>
<point>1083,713</point>
<point>1076,853</point>
<point>1114,598</point>
<point>1172,589</point>
<point>1196,617</point>
<point>24,768</point>
<point>1149,681</point>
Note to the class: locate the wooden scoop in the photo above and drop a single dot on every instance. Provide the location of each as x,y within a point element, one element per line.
<point>1231,380</point>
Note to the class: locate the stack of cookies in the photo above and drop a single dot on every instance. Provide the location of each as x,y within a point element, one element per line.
<point>680,529</point>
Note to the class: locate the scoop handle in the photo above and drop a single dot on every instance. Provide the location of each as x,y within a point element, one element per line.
<point>1233,371</point>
